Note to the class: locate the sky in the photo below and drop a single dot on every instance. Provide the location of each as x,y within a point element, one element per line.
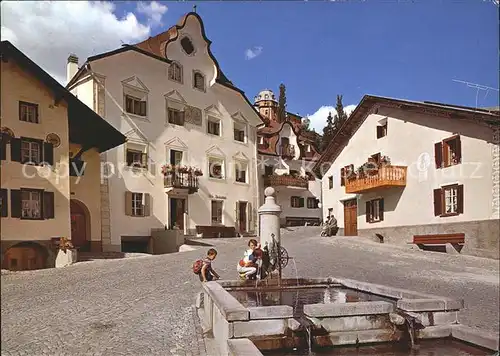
<point>403,49</point>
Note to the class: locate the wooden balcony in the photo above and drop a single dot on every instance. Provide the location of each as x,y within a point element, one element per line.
<point>385,177</point>
<point>181,182</point>
<point>289,181</point>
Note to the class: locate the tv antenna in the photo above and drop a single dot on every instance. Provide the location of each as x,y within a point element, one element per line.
<point>478,87</point>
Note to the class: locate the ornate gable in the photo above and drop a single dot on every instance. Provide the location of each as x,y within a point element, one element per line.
<point>174,95</point>
<point>240,156</point>
<point>215,151</point>
<point>238,116</point>
<point>213,111</point>
<point>135,83</point>
<point>176,142</point>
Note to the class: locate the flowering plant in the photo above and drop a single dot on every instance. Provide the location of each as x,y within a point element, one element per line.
<point>65,244</point>
<point>197,172</point>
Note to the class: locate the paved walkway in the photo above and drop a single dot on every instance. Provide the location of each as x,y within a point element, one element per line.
<point>143,305</point>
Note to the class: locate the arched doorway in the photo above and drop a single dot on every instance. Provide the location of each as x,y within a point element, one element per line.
<point>80,225</point>
<point>25,256</point>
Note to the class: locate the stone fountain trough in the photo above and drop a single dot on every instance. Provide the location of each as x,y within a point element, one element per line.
<point>376,314</point>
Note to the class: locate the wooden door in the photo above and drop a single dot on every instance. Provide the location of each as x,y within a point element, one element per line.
<point>78,226</point>
<point>177,208</point>
<point>350,217</point>
<point>242,216</point>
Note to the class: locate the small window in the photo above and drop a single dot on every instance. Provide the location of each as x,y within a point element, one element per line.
<point>382,130</point>
<point>213,126</point>
<point>175,117</point>
<point>268,171</point>
<point>135,106</point>
<point>137,204</point>
<point>312,203</point>
<point>31,204</point>
<point>199,81</point>
<point>28,112</point>
<point>449,200</point>
<point>260,140</point>
<point>448,152</point>
<point>297,202</point>
<point>308,148</point>
<point>216,208</point>
<point>375,210</point>
<point>241,172</point>
<point>187,45</point>
<point>31,151</point>
<point>330,182</point>
<point>346,173</point>
<point>136,159</point>
<point>175,72</point>
<point>239,132</point>
<point>216,168</point>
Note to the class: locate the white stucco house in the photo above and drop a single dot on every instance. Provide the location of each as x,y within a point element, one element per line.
<point>189,162</point>
<point>287,153</point>
<point>416,172</point>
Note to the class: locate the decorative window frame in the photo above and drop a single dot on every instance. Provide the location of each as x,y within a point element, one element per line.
<point>176,144</point>
<point>217,119</point>
<point>181,69</point>
<point>174,100</point>
<point>240,159</point>
<point>139,91</point>
<point>197,71</point>
<point>139,146</point>
<point>239,119</point>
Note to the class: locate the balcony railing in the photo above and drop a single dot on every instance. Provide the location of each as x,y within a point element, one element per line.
<point>181,181</point>
<point>287,151</point>
<point>385,177</point>
<point>290,181</point>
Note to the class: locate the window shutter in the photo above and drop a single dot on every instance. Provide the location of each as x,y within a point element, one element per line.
<point>380,131</point>
<point>250,216</point>
<point>459,150</point>
<point>438,154</point>
<point>381,209</point>
<point>4,206</point>
<point>143,108</point>
<point>351,169</point>
<point>171,71</point>
<point>368,211</point>
<point>237,215</point>
<point>48,205</point>
<point>144,160</point>
<point>438,202</point>
<point>147,204</point>
<point>152,167</point>
<point>342,177</point>
<point>128,203</point>
<point>15,203</point>
<point>48,153</point>
<point>460,198</point>
<point>3,146</point>
<point>301,202</point>
<point>15,149</point>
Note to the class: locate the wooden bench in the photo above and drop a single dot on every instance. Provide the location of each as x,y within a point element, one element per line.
<point>439,239</point>
<point>301,221</point>
<point>216,231</point>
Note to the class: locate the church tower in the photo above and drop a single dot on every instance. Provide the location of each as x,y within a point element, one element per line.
<point>266,104</point>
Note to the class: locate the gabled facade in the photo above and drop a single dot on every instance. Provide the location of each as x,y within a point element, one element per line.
<point>50,168</point>
<point>189,161</point>
<point>416,172</point>
<point>287,153</point>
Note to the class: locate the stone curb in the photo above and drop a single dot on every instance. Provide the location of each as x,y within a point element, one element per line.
<point>242,347</point>
<point>347,309</point>
<point>229,307</point>
<point>483,338</point>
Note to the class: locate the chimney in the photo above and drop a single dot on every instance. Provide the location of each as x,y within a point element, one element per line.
<point>71,67</point>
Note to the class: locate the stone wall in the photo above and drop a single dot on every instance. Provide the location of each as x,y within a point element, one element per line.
<point>481,237</point>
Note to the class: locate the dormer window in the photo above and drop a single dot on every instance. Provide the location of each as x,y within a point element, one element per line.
<point>187,45</point>
<point>175,72</point>
<point>199,81</point>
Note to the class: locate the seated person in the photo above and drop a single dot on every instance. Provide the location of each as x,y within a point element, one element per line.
<point>247,267</point>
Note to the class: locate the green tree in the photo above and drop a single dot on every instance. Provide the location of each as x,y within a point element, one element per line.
<point>333,123</point>
<point>282,104</point>
<point>328,132</point>
<point>340,116</point>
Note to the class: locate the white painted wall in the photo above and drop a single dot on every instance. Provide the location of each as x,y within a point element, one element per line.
<point>159,136</point>
<point>411,138</point>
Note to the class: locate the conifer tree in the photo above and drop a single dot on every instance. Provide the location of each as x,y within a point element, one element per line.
<point>282,104</point>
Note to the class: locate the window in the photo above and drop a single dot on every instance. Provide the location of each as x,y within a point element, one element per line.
<point>175,72</point>
<point>31,151</point>
<point>175,157</point>
<point>175,117</point>
<point>216,168</point>
<point>199,81</point>
<point>135,106</point>
<point>241,172</point>
<point>375,210</point>
<point>382,130</point>
<point>136,159</point>
<point>31,204</point>
<point>308,148</point>
<point>346,173</point>
<point>28,112</point>
<point>268,171</point>
<point>448,152</point>
<point>239,132</point>
<point>137,204</point>
<point>297,202</point>
<point>187,45</point>
<point>217,211</point>
<point>449,200</point>
<point>260,140</point>
<point>330,182</point>
<point>312,203</point>
<point>3,203</point>
<point>213,126</point>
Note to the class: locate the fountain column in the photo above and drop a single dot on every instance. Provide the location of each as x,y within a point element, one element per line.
<point>269,218</point>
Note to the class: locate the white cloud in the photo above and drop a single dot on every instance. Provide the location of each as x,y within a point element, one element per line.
<point>318,119</point>
<point>48,32</point>
<point>154,11</point>
<point>251,53</point>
